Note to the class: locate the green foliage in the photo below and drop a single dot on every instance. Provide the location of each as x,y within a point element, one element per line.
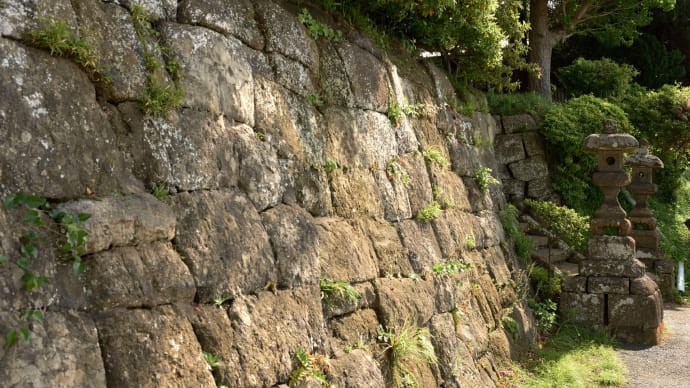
<point>511,325</point>
<point>163,93</point>
<point>36,211</point>
<point>430,212</point>
<point>212,360</point>
<point>675,237</point>
<point>398,111</point>
<point>330,166</point>
<point>309,365</point>
<point>220,299</point>
<point>433,155</point>
<point>544,311</point>
<point>317,29</point>
<point>450,268</point>
<point>601,78</point>
<point>660,116</point>
<point>658,66</point>
<point>56,36</point>
<point>405,348</point>
<point>523,244</point>
<point>546,284</point>
<point>570,226</point>
<point>565,128</point>
<point>160,191</point>
<point>395,171</point>
<point>518,103</point>
<point>315,100</point>
<point>484,179</point>
<point>575,356</point>
<point>332,290</point>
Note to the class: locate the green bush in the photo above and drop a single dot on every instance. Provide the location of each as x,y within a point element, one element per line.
<point>661,117</point>
<point>565,128</point>
<point>518,103</point>
<point>566,223</point>
<point>523,244</point>
<point>602,78</point>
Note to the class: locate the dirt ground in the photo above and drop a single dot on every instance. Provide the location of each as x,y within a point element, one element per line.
<point>666,365</point>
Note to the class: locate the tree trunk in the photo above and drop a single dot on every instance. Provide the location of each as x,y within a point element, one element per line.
<point>541,43</point>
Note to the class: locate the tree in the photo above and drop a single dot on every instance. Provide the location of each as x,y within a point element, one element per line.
<point>614,22</point>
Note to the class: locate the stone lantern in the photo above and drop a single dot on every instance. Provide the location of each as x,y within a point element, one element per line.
<point>642,219</point>
<point>612,290</point>
<point>609,148</point>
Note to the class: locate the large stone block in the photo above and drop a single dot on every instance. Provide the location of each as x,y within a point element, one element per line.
<point>360,326</point>
<point>368,78</point>
<point>337,305</point>
<point>585,308</point>
<point>216,74</point>
<point>529,169</point>
<point>608,285</point>
<point>64,351</point>
<point>454,232</point>
<point>393,191</point>
<point>518,123</point>
<point>294,75</point>
<point>611,248</point>
<point>404,299</point>
<point>421,244</point>
<point>344,253</point>
<point>419,191</point>
<point>628,268</point>
<point>534,143</point>
<point>266,331</point>
<point>391,254</point>
<point>644,311</point>
<point>127,220</point>
<point>54,146</point>
<point>540,188</point>
<point>235,18</point>
<point>357,368</point>
<point>294,239</point>
<point>355,194</point>
<point>151,348</point>
<point>449,189</point>
<point>455,362</point>
<point>577,284</point>
<point>509,148</point>
<point>643,285</point>
<point>212,237</point>
<point>147,275</point>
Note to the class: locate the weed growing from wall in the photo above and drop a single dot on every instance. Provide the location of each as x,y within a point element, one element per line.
<point>317,29</point>
<point>310,365</point>
<point>430,212</point>
<point>334,290</point>
<point>404,348</point>
<point>56,36</point>
<point>433,155</point>
<point>162,95</point>
<point>484,179</point>
<point>73,246</point>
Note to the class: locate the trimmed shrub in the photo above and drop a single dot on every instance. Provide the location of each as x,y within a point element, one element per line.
<point>601,78</point>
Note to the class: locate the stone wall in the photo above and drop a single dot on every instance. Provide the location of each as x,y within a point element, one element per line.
<point>268,193</point>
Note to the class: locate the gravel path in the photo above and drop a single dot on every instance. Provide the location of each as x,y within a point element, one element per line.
<point>666,365</point>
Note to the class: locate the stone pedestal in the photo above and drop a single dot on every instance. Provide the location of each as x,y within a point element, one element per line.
<point>612,290</point>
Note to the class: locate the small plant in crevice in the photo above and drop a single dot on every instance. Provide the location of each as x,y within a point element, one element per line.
<point>404,348</point>
<point>480,141</point>
<point>470,242</point>
<point>484,179</point>
<point>330,166</point>
<point>316,366</point>
<point>524,246</point>
<point>56,36</point>
<point>316,100</point>
<point>430,212</point>
<point>395,171</point>
<point>73,246</point>
<point>511,325</point>
<point>162,94</point>
<point>433,155</point>
<point>160,191</point>
<point>332,290</point>
<point>220,299</point>
<point>212,360</point>
<point>318,29</point>
<point>398,111</point>
<point>450,268</point>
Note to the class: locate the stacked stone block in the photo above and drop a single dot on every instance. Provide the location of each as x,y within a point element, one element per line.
<point>644,229</point>
<point>520,154</point>
<point>612,290</point>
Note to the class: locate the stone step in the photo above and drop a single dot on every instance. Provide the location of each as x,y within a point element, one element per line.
<point>567,269</point>
<point>539,241</point>
<point>556,256</point>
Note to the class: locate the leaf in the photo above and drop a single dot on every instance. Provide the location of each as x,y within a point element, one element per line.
<point>83,216</point>
<point>14,200</point>
<point>29,250</point>
<point>23,263</point>
<point>78,267</point>
<point>11,338</point>
<point>34,201</point>
<point>25,333</point>
<point>3,259</point>
<point>32,217</point>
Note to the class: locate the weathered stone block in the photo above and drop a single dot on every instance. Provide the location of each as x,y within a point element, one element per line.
<point>644,311</point>
<point>611,248</point>
<point>235,18</point>
<point>628,268</point>
<point>639,335</point>
<point>337,305</point>
<point>392,256</point>
<point>453,230</point>
<point>643,285</point>
<point>534,143</point>
<point>539,188</point>
<point>450,191</point>
<point>284,34</point>
<point>147,275</point>
<point>359,326</point>
<point>452,291</point>
<point>212,238</point>
<point>368,78</point>
<point>294,75</point>
<point>357,368</point>
<point>585,308</point>
<point>420,241</point>
<point>344,254</point>
<point>64,351</point>
<point>127,220</point>
<point>529,169</point>
<point>576,284</point>
<point>518,123</point>
<point>355,194</point>
<point>393,192</point>
<point>496,264</point>
<point>608,285</point>
<point>151,348</point>
<point>465,159</point>
<point>509,148</point>
<point>513,188</point>
<point>401,299</point>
